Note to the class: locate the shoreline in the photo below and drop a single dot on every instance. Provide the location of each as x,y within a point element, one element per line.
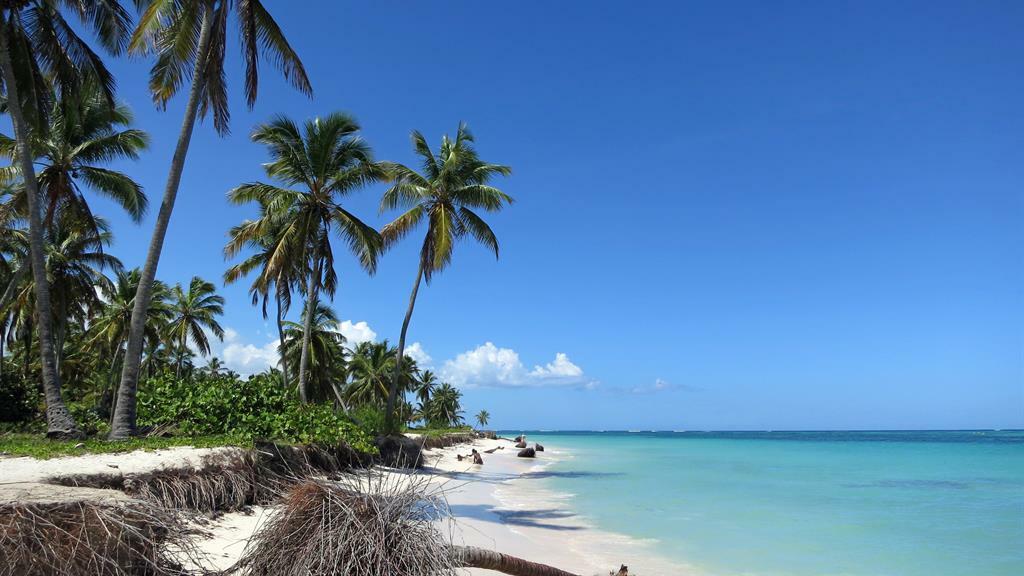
<point>504,506</point>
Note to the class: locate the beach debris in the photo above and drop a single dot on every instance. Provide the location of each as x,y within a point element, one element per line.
<point>623,571</point>
<point>521,444</point>
<point>91,534</point>
<point>368,525</point>
<point>538,447</point>
<point>527,453</point>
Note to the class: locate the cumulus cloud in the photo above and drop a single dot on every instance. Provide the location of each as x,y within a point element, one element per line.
<point>244,357</point>
<point>356,333</point>
<point>417,353</point>
<point>489,365</point>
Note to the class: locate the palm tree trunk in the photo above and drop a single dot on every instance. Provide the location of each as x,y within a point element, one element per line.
<point>473,557</point>
<point>124,418</point>
<point>280,340</point>
<point>395,380</point>
<point>312,292</point>
<point>12,286</point>
<point>59,422</point>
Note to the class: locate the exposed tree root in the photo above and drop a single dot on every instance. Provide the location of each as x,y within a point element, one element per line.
<point>76,537</point>
<point>473,557</point>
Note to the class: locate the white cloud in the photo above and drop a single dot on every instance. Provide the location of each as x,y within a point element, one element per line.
<point>356,333</point>
<point>417,353</point>
<point>660,385</point>
<point>243,357</point>
<point>488,365</point>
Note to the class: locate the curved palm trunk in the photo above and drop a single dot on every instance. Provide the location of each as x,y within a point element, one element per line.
<point>473,557</point>
<point>59,422</point>
<point>280,340</point>
<point>124,417</point>
<point>395,380</point>
<point>307,330</point>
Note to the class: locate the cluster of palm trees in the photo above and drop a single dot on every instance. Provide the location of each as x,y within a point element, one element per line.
<point>67,128</point>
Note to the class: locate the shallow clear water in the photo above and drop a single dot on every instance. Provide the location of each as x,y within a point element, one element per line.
<point>807,503</point>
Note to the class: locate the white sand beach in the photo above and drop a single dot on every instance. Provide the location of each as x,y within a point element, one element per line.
<point>501,505</point>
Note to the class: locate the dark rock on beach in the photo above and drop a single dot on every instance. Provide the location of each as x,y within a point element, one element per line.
<point>527,453</point>
<point>538,447</point>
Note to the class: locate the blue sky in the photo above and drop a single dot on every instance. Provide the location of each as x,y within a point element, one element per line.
<point>738,215</point>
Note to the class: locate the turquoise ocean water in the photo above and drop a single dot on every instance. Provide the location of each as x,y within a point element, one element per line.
<point>805,503</point>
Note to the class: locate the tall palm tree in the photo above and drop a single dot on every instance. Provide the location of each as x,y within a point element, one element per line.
<point>84,133</point>
<point>326,352</point>
<point>37,42</point>
<point>272,276</point>
<point>425,385</point>
<point>453,184</point>
<point>321,163</point>
<point>483,417</point>
<point>193,312</point>
<point>188,38</point>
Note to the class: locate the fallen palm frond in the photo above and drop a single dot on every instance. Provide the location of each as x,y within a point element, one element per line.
<point>101,538</point>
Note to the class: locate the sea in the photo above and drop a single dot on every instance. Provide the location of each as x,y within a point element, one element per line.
<point>845,503</point>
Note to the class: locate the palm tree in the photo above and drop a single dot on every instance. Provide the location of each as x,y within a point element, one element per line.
<point>483,417</point>
<point>109,328</point>
<point>446,406</point>
<point>271,277</point>
<point>36,42</point>
<point>453,184</point>
<point>84,133</point>
<point>425,385</point>
<point>194,312</point>
<point>326,352</point>
<point>188,38</point>
<point>325,160</point>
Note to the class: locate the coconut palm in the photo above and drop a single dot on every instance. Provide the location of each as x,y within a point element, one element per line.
<point>453,184</point>
<point>188,39</point>
<point>194,312</point>
<point>36,42</point>
<point>109,328</point>
<point>326,352</point>
<point>320,163</point>
<point>483,417</point>
<point>425,385</point>
<point>446,406</point>
<point>84,133</point>
<point>271,277</point>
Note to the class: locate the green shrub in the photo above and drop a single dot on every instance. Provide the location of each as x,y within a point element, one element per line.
<point>19,399</point>
<point>257,407</point>
<point>370,419</point>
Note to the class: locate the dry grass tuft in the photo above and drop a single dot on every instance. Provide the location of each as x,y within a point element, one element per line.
<point>367,527</point>
<point>72,538</point>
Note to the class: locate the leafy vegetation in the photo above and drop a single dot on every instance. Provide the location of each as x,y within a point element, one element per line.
<point>98,348</point>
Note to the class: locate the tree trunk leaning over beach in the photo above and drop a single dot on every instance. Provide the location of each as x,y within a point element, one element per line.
<point>125,415</point>
<point>396,379</point>
<point>473,557</point>
<point>59,422</point>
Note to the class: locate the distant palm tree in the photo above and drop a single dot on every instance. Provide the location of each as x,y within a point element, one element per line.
<point>322,162</point>
<point>192,313</point>
<point>371,367</point>
<point>109,329</point>
<point>483,417</point>
<point>326,352</point>
<point>446,406</point>
<point>213,367</point>
<point>425,385</point>
<point>273,275</point>
<point>36,43</point>
<point>188,38</point>
<point>453,184</point>
<point>84,134</point>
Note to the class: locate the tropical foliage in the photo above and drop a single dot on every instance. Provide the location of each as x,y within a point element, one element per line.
<point>100,348</point>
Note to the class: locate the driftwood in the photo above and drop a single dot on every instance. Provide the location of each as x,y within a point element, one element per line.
<point>473,557</point>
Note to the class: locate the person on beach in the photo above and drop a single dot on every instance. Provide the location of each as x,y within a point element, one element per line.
<point>477,458</point>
